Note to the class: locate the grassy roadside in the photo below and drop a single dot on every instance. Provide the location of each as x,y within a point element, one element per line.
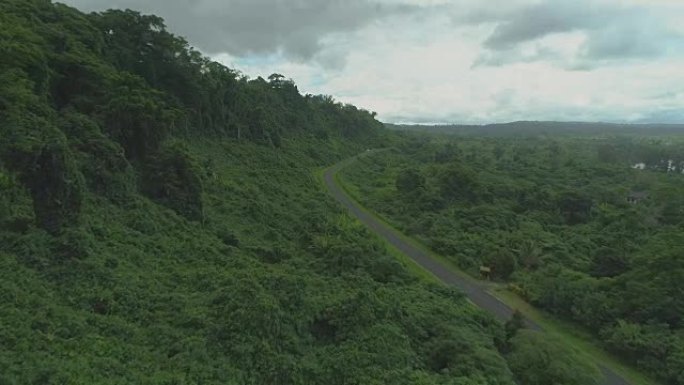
<point>572,335</point>
<point>353,194</point>
<point>403,259</point>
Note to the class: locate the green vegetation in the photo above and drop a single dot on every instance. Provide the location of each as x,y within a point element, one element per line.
<point>537,359</point>
<point>565,219</point>
<point>574,337</point>
<point>161,223</point>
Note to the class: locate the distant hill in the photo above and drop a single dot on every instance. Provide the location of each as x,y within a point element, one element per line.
<point>544,128</point>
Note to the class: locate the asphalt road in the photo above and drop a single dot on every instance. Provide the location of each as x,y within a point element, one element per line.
<point>475,292</point>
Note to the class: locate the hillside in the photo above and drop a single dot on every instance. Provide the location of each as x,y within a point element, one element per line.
<point>161,223</point>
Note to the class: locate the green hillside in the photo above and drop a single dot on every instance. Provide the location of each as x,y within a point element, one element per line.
<point>161,223</point>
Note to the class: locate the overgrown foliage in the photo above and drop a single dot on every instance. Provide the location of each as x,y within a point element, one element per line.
<point>538,359</point>
<point>161,224</point>
<point>585,226</point>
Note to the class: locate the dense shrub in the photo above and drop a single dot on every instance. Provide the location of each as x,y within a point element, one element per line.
<point>172,177</point>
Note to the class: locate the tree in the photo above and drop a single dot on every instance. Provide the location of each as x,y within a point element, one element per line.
<point>511,328</point>
<point>172,177</point>
<point>502,263</point>
<point>136,117</point>
<point>575,207</point>
<point>276,80</point>
<point>458,182</point>
<point>515,323</point>
<point>409,181</point>
<point>609,263</point>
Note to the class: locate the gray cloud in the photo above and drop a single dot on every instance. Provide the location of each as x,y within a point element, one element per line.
<point>298,29</point>
<point>613,32</point>
<point>294,27</point>
<point>533,22</point>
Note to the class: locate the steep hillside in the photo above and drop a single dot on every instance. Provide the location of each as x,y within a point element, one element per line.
<point>161,223</point>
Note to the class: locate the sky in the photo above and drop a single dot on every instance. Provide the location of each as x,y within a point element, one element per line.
<point>459,61</point>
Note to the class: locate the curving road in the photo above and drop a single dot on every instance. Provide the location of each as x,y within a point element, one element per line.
<point>475,292</point>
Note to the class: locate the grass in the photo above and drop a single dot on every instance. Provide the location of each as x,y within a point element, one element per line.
<point>353,193</point>
<point>575,337</point>
<point>572,335</point>
<point>409,264</point>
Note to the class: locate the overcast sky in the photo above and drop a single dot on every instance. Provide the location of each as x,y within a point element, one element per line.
<point>460,61</point>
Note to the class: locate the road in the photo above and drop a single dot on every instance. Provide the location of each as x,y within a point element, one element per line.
<point>475,292</point>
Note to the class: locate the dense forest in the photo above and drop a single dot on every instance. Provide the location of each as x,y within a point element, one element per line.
<point>161,223</point>
<point>586,225</point>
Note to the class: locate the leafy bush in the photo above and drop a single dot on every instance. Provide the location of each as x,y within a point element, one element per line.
<point>101,160</point>
<point>172,178</point>
<point>538,359</point>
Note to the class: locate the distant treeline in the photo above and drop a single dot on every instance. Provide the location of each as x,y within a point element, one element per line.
<point>542,128</point>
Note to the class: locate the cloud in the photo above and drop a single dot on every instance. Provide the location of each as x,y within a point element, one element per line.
<point>434,82</point>
<point>536,21</point>
<point>627,41</point>
<point>242,27</point>
<point>613,32</point>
